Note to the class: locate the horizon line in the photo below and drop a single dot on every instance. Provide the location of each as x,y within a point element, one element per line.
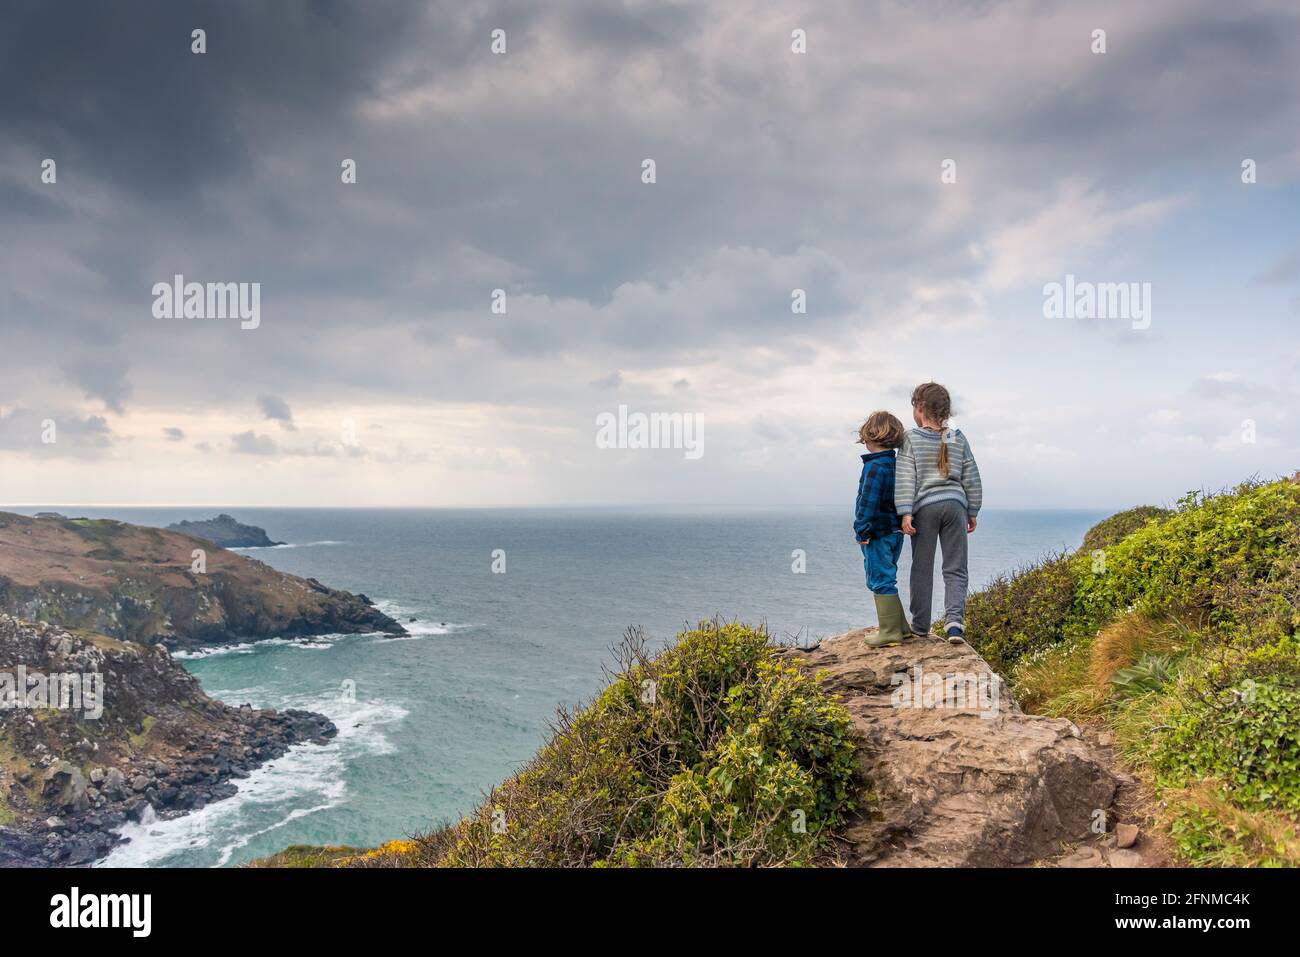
<point>573,505</point>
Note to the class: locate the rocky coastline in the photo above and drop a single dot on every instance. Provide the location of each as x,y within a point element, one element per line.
<point>99,725</point>
<point>71,779</point>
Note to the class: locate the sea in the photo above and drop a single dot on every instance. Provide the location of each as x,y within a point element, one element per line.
<point>511,614</point>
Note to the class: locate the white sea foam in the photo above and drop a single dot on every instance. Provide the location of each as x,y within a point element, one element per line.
<point>243,648</point>
<point>313,643</point>
<point>422,629</point>
<point>307,779</point>
<point>264,548</point>
<point>423,626</point>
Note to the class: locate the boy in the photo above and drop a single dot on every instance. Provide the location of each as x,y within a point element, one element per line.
<point>876,524</point>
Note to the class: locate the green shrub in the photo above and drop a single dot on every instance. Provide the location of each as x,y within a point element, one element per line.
<point>1113,530</point>
<point>1211,831</point>
<point>1023,613</point>
<point>1209,558</point>
<point>714,752</point>
<point>1272,608</point>
<point>1150,673</point>
<point>1244,737</point>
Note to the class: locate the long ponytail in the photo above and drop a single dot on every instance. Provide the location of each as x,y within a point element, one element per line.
<point>934,400</point>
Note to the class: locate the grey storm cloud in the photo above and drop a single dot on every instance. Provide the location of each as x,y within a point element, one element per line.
<point>250,443</point>
<point>54,433</point>
<point>120,98</point>
<point>522,172</point>
<point>275,408</point>
<point>102,377</point>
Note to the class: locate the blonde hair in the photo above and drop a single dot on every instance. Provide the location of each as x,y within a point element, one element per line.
<point>883,429</point>
<point>936,405</point>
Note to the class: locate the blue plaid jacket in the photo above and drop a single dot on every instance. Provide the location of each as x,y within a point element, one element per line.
<point>876,516</point>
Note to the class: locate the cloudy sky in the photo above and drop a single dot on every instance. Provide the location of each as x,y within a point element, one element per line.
<point>380,375</point>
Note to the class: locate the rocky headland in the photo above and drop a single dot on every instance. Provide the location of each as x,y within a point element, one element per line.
<point>225,531</point>
<point>156,586</point>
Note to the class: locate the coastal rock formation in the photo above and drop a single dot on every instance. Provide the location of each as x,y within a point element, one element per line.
<point>149,738</point>
<point>152,586</point>
<point>958,775</point>
<point>225,531</point>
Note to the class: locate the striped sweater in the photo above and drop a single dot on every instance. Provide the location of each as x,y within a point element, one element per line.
<point>919,482</point>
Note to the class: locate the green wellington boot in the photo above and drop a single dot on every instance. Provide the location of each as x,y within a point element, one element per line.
<point>893,622</point>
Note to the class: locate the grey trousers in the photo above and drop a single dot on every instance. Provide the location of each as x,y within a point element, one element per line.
<point>942,524</point>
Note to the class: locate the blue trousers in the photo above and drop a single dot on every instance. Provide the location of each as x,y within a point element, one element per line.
<point>880,558</point>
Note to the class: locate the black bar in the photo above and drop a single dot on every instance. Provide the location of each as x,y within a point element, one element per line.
<point>302,907</point>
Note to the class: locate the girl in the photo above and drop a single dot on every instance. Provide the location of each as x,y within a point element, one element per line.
<point>938,494</point>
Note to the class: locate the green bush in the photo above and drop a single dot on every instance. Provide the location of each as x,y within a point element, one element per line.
<point>1022,613</point>
<point>1211,831</point>
<point>1272,608</point>
<point>1209,559</point>
<point>714,752</point>
<point>1244,737</point>
<point>1113,530</point>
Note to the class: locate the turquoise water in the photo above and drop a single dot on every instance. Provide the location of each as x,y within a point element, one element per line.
<point>428,723</point>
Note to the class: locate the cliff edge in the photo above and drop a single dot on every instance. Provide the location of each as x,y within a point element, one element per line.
<point>151,585</point>
<point>958,775</point>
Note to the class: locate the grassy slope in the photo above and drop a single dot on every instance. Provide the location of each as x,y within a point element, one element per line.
<point>1177,633</point>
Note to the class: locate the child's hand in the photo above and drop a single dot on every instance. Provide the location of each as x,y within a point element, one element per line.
<point>970,524</point>
<point>908,527</point>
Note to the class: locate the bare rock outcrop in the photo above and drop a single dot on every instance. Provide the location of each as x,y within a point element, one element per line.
<point>225,531</point>
<point>956,774</point>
